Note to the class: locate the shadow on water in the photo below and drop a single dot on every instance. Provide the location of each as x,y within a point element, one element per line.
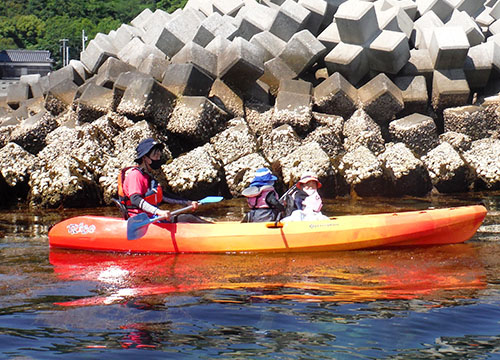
<point>419,303</point>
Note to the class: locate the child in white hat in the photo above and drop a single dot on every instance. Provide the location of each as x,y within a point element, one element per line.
<point>310,203</point>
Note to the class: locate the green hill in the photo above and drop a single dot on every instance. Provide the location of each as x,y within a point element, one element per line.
<point>41,24</point>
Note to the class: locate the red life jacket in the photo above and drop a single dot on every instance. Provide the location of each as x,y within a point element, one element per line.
<point>258,200</point>
<point>154,195</point>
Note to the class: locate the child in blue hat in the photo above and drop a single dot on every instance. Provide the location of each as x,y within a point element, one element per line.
<point>262,198</point>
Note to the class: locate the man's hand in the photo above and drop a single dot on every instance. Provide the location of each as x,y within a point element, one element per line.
<point>163,213</point>
<point>195,205</point>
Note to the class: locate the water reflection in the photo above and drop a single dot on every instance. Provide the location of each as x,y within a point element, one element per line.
<point>345,277</point>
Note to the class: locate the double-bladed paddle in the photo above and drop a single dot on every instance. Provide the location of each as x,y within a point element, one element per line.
<point>137,225</point>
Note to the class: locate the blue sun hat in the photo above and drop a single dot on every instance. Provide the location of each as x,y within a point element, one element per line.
<point>262,177</point>
<point>145,146</point>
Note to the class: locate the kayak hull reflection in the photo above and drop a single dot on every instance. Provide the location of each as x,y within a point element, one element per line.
<point>352,232</point>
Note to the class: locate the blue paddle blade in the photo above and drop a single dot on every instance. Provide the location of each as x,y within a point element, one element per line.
<point>210,199</point>
<point>136,226</point>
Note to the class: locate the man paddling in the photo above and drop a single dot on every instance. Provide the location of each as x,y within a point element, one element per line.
<point>140,192</point>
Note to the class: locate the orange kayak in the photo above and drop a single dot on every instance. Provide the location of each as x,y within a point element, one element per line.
<point>351,232</point>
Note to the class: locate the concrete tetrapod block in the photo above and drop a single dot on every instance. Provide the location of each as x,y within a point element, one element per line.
<point>227,98</point>
<point>109,72</point>
<point>302,51</point>
<point>17,93</point>
<point>162,38</point>
<point>186,80</point>
<point>64,74</point>
<point>240,173</point>
<point>414,92</point>
<point>185,23</point>
<point>97,52</point>
<point>484,19</point>
<point>145,98</point>
<point>281,140</point>
<point>423,29</point>
<point>136,51</point>
<point>254,18</point>
<point>308,157</point>
<point>32,132</point>
<point>328,134</point>
<point>470,120</point>
<point>495,11</point>
<point>290,19</point>
<point>198,56</point>
<point>257,116</point>
<point>241,64</point>
<point>389,52</point>
<point>361,130</point>
<point>259,92</point>
<point>448,47</point>
<point>449,89</point>
<point>408,6</point>
<point>363,172</point>
<point>154,66</point>
<point>94,102</point>
<point>81,70</point>
<point>442,8</point>
<point>213,26</point>
<point>228,7</point>
<point>381,99</point>
<point>142,19</point>
<point>393,18</point>
<point>318,12</point>
<point>471,28</point>
<point>159,19</point>
<point>269,43</point>
<point>416,131</point>
<point>204,6</point>
<point>330,37</point>
<point>296,86</point>
<point>120,85</point>
<point>483,157</point>
<point>124,34</point>
<point>460,142</point>
<point>349,60</point>
<point>195,173</point>
<point>336,96</point>
<point>60,97</point>
<point>448,171</point>
<point>275,71</point>
<point>420,63</point>
<point>407,173</point>
<point>479,64</point>
<point>234,143</point>
<point>357,22</point>
<point>470,7</point>
<point>293,107</point>
<point>33,80</point>
<point>196,119</point>
<point>218,45</point>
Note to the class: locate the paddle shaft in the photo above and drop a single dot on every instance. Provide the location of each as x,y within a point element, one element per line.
<point>287,192</point>
<point>175,212</point>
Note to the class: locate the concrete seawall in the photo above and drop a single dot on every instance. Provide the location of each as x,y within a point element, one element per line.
<point>390,97</point>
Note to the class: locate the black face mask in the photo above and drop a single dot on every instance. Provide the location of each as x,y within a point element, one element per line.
<point>156,164</point>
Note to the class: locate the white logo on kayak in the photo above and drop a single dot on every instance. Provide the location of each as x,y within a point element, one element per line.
<point>80,228</point>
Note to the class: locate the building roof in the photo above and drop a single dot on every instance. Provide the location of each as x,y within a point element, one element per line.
<point>23,56</point>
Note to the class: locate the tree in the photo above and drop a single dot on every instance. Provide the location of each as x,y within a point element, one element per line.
<point>41,24</point>
<point>23,30</point>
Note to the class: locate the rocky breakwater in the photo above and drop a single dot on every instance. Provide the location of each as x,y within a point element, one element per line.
<point>379,98</point>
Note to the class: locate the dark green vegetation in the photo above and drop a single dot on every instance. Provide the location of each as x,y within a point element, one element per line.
<point>41,24</point>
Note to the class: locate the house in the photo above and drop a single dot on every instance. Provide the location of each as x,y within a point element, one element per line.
<point>15,63</point>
